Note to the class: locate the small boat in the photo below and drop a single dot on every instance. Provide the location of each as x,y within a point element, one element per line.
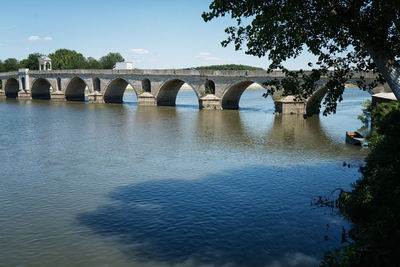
<point>354,138</point>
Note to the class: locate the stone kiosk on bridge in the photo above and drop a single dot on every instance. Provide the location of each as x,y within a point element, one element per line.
<point>220,89</point>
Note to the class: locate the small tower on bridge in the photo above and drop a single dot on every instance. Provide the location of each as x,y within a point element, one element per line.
<point>44,63</point>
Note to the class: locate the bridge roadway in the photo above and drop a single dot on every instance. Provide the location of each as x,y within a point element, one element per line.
<point>220,89</point>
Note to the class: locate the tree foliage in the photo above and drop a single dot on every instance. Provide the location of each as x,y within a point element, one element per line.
<point>228,67</point>
<point>373,206</point>
<point>344,35</point>
<point>32,62</point>
<point>10,64</point>
<point>92,63</point>
<point>63,59</point>
<point>109,61</point>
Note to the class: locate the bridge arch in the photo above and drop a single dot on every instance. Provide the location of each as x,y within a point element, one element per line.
<point>96,84</point>
<point>146,85</point>
<point>23,82</point>
<point>59,84</point>
<point>40,89</point>
<point>166,95</point>
<point>114,91</point>
<point>11,88</point>
<point>231,97</point>
<point>313,103</point>
<point>210,87</point>
<point>75,90</point>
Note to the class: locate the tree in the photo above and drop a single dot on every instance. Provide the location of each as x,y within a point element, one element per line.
<point>1,66</point>
<point>228,67</point>
<point>63,59</point>
<point>345,36</point>
<point>109,61</point>
<point>373,206</point>
<point>10,64</point>
<point>32,62</point>
<point>92,63</point>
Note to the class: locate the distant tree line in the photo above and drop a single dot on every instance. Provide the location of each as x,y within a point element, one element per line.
<point>228,67</point>
<point>62,59</point>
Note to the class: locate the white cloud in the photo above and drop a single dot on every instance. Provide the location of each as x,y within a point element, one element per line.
<point>48,38</point>
<point>33,38</point>
<point>204,54</point>
<point>139,51</point>
<point>207,56</point>
<point>212,58</point>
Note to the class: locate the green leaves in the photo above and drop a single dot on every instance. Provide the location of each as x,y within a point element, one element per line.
<point>108,61</point>
<point>32,62</point>
<point>346,36</point>
<point>63,59</point>
<point>373,206</point>
<point>92,63</point>
<point>10,64</point>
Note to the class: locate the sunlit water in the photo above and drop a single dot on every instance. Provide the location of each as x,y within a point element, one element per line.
<point>117,185</point>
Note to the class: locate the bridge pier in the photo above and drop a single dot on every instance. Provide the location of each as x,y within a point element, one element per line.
<point>57,96</point>
<point>96,97</point>
<point>146,99</point>
<point>210,102</point>
<point>24,95</point>
<point>289,105</point>
<point>155,87</point>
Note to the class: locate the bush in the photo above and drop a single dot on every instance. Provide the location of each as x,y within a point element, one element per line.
<point>373,206</point>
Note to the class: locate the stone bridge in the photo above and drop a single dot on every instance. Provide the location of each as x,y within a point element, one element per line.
<point>214,89</point>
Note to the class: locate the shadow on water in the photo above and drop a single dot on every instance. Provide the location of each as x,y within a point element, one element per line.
<point>243,217</point>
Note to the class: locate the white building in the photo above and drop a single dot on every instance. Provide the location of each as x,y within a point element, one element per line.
<point>44,63</point>
<point>123,66</point>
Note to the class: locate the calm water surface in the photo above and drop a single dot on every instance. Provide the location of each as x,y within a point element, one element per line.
<point>125,185</point>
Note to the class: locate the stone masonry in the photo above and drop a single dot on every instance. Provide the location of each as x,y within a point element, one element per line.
<point>214,89</point>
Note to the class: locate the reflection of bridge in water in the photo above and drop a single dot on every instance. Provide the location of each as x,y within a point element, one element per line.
<point>293,134</point>
<point>214,89</point>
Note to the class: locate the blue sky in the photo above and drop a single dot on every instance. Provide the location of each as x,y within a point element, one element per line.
<point>152,34</point>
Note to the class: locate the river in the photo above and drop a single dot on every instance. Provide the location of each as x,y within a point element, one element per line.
<point>125,185</point>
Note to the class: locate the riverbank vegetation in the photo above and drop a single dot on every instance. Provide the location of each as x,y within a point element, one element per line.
<point>62,59</point>
<point>373,204</point>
